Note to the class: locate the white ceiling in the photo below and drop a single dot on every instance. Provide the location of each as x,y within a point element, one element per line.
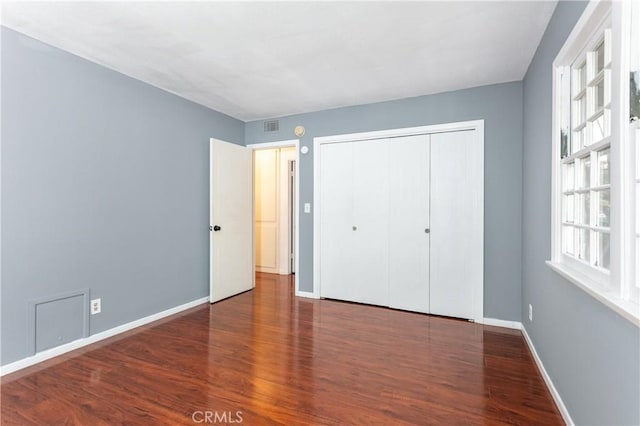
<point>254,60</point>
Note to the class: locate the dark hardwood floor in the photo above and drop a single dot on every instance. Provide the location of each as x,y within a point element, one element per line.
<point>266,357</point>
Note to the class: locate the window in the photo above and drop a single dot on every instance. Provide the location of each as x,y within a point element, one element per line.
<point>585,156</point>
<point>596,164</point>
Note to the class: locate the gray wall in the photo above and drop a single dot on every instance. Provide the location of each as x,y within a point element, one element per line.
<point>105,184</point>
<point>501,108</point>
<point>591,354</point>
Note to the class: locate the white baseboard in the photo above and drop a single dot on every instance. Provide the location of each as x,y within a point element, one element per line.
<point>76,344</point>
<point>307,294</point>
<point>547,379</point>
<point>502,323</point>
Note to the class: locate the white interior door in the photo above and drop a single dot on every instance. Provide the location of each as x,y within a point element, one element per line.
<point>409,223</point>
<point>231,220</point>
<point>457,215</point>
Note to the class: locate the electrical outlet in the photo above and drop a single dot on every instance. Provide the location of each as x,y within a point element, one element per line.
<point>307,207</point>
<point>96,306</point>
<point>530,312</point>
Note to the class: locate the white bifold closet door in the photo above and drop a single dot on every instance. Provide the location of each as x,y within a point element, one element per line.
<point>374,222</point>
<point>409,235</point>
<point>457,216</point>
<point>401,222</point>
<point>354,217</point>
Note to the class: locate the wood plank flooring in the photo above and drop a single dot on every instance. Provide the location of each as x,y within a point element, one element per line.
<point>266,357</point>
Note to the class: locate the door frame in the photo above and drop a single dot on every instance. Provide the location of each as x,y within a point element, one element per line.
<point>285,144</point>
<point>475,125</point>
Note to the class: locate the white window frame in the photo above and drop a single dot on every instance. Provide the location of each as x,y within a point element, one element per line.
<point>631,179</point>
<point>633,243</point>
<point>576,156</point>
<point>616,287</point>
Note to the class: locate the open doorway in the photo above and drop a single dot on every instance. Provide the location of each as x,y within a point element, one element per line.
<point>275,208</point>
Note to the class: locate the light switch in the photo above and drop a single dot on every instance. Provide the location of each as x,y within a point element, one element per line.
<point>307,207</point>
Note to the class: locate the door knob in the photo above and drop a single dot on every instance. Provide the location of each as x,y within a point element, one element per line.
<point>355,228</point>
<point>427,230</point>
<point>216,228</point>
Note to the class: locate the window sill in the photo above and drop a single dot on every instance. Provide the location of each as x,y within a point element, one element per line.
<point>626,309</point>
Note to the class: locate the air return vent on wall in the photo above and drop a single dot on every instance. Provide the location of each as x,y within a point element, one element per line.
<point>271,126</point>
<point>56,320</point>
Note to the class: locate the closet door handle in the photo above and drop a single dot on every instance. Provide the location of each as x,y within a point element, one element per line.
<point>427,230</point>
<point>355,228</point>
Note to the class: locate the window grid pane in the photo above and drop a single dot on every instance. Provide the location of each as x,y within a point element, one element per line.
<point>585,172</point>
<point>585,209</point>
<point>580,111</point>
<point>568,176</point>
<point>565,112</point>
<point>584,244</point>
<point>602,248</point>
<point>604,178</point>
<point>604,208</point>
<point>600,57</point>
<point>598,128</point>
<point>580,78</point>
<point>579,141</point>
<point>599,95</point>
<point>568,240</point>
<point>634,101</point>
<point>569,208</point>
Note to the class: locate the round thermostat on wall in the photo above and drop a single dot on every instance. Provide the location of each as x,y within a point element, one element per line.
<point>299,131</point>
<point>304,149</point>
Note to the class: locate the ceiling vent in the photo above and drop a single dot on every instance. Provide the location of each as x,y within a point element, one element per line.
<point>271,126</point>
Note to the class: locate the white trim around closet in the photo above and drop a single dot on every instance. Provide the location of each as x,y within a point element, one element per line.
<point>406,131</point>
<point>476,125</point>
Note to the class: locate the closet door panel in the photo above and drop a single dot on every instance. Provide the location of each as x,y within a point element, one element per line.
<point>370,255</point>
<point>408,221</point>
<point>337,270</point>
<point>457,213</point>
